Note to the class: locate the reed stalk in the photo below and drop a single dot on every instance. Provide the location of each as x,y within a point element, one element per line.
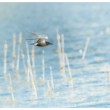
<point>62,55</point>
<point>28,62</point>
<point>14,46</point>
<point>51,77</point>
<point>60,52</point>
<point>27,75</point>
<point>22,55</point>
<point>69,71</point>
<point>5,58</point>
<point>34,90</point>
<point>32,81</point>
<point>50,91</point>
<point>17,65</point>
<point>86,47</point>
<point>70,77</point>
<point>11,88</point>
<point>43,66</point>
<point>14,52</point>
<point>59,47</point>
<point>48,87</point>
<point>33,60</point>
<point>18,58</point>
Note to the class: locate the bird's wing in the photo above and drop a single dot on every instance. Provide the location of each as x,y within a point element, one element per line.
<point>40,35</point>
<point>43,37</point>
<point>34,33</point>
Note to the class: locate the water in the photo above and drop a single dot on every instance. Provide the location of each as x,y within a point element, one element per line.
<point>77,22</point>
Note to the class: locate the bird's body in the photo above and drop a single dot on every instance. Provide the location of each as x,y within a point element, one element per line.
<point>40,40</point>
<point>42,44</point>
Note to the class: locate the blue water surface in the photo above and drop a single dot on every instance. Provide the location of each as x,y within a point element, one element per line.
<point>77,22</point>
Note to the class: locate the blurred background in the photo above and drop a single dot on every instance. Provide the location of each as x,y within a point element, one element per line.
<point>77,22</point>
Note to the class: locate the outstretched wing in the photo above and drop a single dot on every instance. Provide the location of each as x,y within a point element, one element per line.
<point>41,38</point>
<point>34,33</point>
<point>40,35</point>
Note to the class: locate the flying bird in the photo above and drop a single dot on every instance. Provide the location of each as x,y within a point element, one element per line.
<point>40,40</point>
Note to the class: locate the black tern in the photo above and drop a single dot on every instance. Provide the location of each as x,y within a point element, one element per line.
<point>42,44</point>
<point>40,40</point>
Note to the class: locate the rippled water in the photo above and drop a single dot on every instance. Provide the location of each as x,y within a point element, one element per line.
<point>77,22</point>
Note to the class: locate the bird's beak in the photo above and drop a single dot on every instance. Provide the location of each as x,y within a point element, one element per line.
<point>51,44</point>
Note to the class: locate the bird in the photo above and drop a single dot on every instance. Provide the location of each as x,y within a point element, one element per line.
<point>42,44</point>
<point>40,40</point>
